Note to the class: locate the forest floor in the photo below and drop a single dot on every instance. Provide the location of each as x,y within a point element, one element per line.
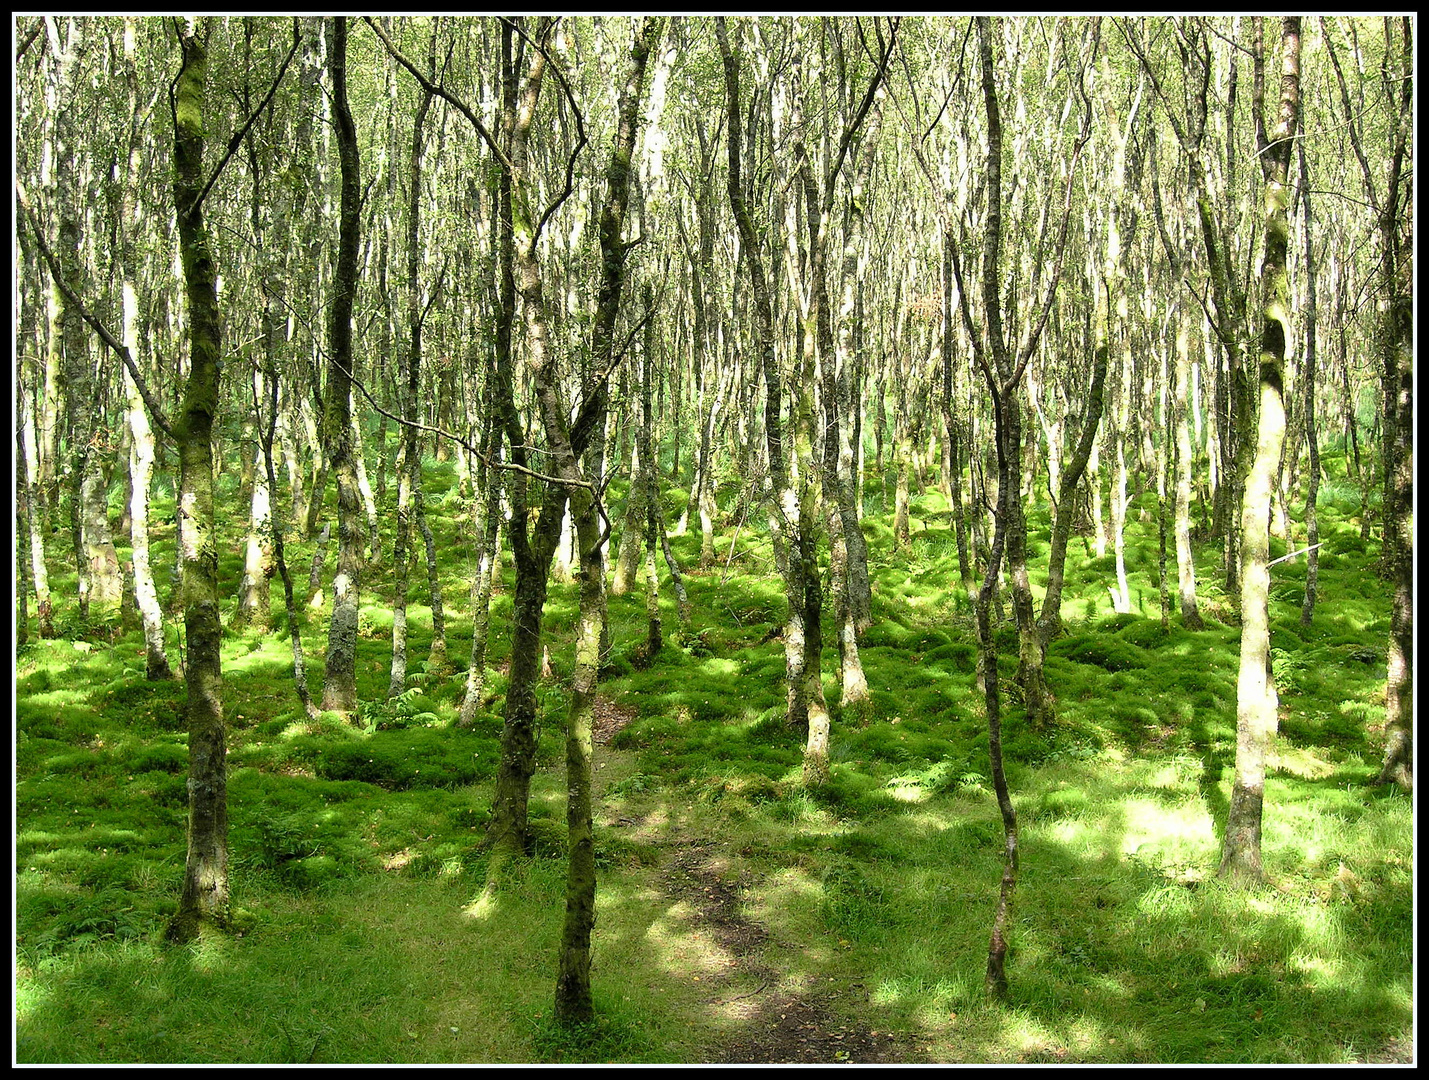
<point>780,1021</point>
<point>742,918</point>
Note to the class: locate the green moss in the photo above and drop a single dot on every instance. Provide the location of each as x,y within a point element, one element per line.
<point>1100,649</point>
<point>357,849</point>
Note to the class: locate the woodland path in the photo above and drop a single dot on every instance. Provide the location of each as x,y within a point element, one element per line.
<point>777,1022</point>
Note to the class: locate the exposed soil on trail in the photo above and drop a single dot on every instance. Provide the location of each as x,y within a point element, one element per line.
<point>1394,1052</point>
<point>608,718</point>
<point>776,1026</point>
<point>774,1023</point>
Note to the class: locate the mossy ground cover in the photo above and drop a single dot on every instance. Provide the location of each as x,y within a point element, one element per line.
<point>357,860</point>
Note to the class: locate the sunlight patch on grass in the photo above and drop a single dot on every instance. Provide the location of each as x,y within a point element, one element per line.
<point>1302,762</point>
<point>906,791</point>
<point>1026,1035</point>
<point>483,908</point>
<point>1076,834</point>
<point>717,665</point>
<point>682,951</point>
<point>1175,832</point>
<point>32,996</point>
<point>784,895</point>
<point>57,700</point>
<point>1176,773</point>
<point>1318,971</point>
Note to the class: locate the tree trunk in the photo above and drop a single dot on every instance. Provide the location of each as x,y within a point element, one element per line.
<point>1002,387</point>
<point>27,448</point>
<point>204,896</point>
<point>650,482</point>
<point>1312,435</point>
<point>340,671</point>
<point>410,460</point>
<point>254,592</point>
<point>1255,694</point>
<point>1049,622</point>
<point>141,435</point>
<point>437,661</point>
<point>487,496</point>
<point>784,512</point>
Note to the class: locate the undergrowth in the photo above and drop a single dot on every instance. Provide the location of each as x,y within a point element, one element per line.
<point>360,932</point>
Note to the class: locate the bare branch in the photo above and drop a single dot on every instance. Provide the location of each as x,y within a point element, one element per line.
<point>238,136</point>
<point>441,92</point>
<point>156,411</point>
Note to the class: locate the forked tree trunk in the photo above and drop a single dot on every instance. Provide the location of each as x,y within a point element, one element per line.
<point>1002,387</point>
<point>1049,621</point>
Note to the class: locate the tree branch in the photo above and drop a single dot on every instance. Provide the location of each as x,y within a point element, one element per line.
<point>441,92</point>
<point>156,411</point>
<point>237,140</point>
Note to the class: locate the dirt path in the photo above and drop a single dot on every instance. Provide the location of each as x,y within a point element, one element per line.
<point>775,1025</point>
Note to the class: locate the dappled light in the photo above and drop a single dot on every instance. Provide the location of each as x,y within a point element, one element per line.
<point>685,540</point>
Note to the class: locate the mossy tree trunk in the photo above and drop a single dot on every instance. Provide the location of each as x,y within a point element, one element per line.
<point>573,1004</point>
<point>1003,368</point>
<point>437,661</point>
<point>952,425</point>
<point>340,671</point>
<point>1049,621</point>
<point>572,997</point>
<point>270,220</point>
<point>486,495</point>
<point>410,461</point>
<point>997,369</point>
<point>650,481</point>
<point>806,628</point>
<point>1396,226</point>
<point>531,546</point>
<point>1308,376</point>
<point>204,897</point>
<point>784,497</point>
<point>1256,701</point>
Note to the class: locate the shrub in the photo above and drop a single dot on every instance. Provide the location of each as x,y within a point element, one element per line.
<point>107,915</point>
<point>411,708</point>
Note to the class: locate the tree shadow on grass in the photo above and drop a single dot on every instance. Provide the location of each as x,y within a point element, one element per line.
<point>1214,759</point>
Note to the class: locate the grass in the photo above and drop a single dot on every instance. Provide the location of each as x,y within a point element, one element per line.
<point>357,864</point>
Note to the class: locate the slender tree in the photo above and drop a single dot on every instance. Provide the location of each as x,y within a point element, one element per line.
<point>204,896</point>
<point>340,671</point>
<point>1256,701</point>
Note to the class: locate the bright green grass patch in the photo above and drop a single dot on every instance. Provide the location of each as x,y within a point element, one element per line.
<point>359,935</point>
